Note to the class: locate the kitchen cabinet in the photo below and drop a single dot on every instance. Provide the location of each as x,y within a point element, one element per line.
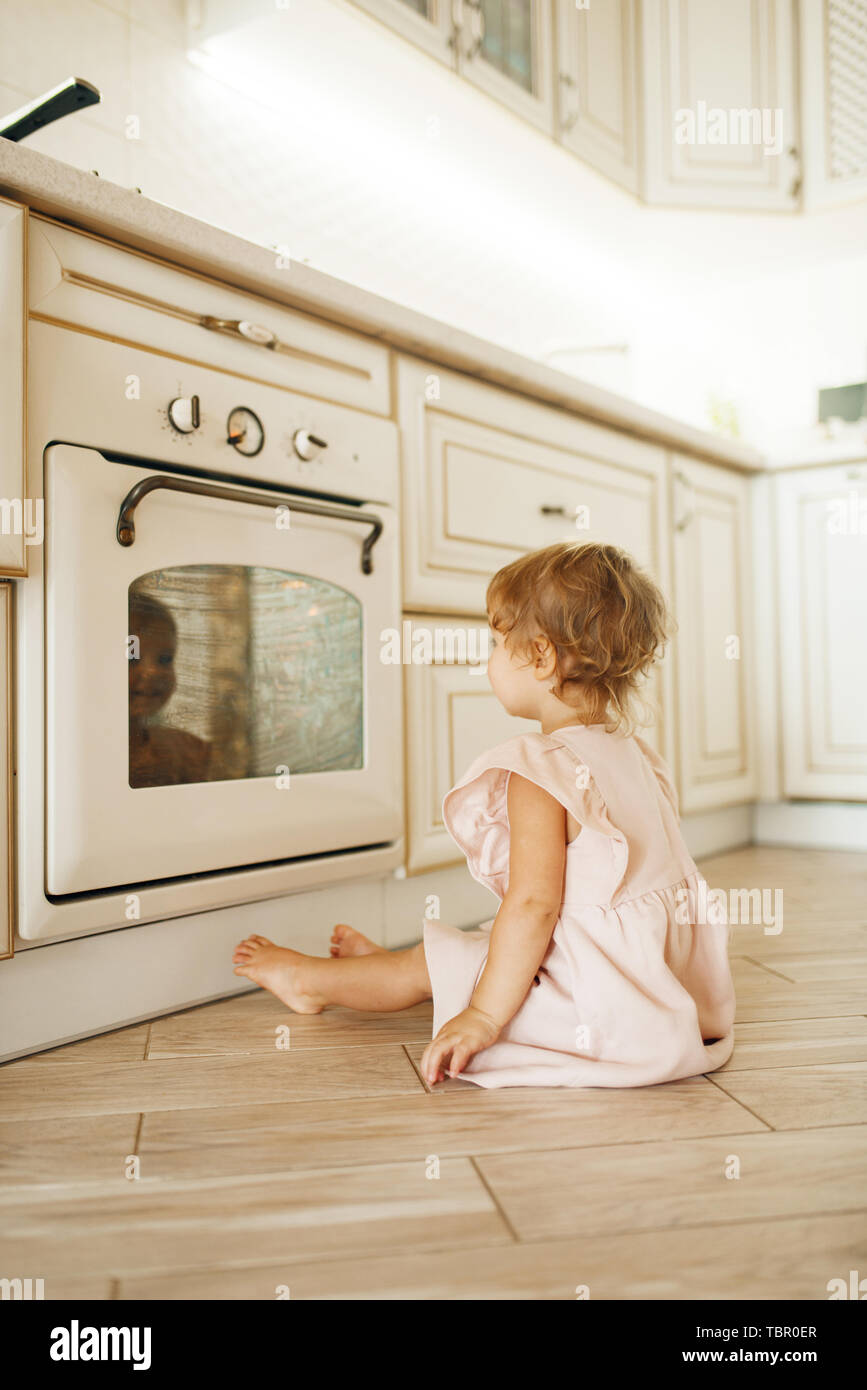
<point>452,716</point>
<point>489,475</point>
<point>427,23</point>
<point>756,104</point>
<point>702,57</point>
<point>753,105</point>
<point>19,514</point>
<point>504,47</point>
<point>822,549</point>
<point>713,647</point>
<point>7,899</point>
<point>833,78</point>
<point>598,88</point>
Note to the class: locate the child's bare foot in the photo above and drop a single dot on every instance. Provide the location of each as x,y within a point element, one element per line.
<point>278,969</point>
<point>346,941</point>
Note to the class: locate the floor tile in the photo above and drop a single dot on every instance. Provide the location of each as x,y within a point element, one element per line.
<point>660,1186</point>
<point>121,1087</point>
<point>802,1097</point>
<point>786,1259</point>
<point>150,1226</point>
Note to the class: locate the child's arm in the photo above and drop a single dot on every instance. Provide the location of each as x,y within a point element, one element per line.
<point>525,923</point>
<point>522,929</point>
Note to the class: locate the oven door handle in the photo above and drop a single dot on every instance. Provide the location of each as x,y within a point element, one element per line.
<point>126,515</point>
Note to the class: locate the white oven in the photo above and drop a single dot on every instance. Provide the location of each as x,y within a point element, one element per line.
<point>209,721</point>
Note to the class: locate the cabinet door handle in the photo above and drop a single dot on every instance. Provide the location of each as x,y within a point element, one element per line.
<point>570,119</point>
<point>683,521</point>
<point>477,29</point>
<point>126,516</point>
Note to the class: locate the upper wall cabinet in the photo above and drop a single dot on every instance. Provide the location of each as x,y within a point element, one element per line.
<point>833,71</point>
<point>750,104</point>
<point>427,23</point>
<point>719,103</point>
<point>504,47</point>
<point>714,641</point>
<point>822,548</point>
<point>598,86</point>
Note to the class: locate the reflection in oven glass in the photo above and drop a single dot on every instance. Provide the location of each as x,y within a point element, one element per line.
<point>239,671</point>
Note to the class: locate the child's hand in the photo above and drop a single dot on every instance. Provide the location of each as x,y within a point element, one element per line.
<point>458,1040</point>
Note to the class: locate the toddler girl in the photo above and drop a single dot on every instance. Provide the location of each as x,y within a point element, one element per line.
<point>594,971</point>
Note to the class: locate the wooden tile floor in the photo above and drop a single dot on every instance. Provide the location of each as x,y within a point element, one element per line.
<point>327,1170</point>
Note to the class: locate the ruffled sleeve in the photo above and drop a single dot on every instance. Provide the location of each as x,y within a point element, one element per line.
<point>476,815</point>
<point>663,775</point>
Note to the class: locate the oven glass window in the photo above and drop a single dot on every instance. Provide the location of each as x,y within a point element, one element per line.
<point>241,671</point>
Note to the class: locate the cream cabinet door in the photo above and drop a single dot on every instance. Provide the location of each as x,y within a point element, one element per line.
<point>452,716</point>
<point>19,514</point>
<point>719,105</point>
<point>713,647</point>
<point>598,86</point>
<point>489,475</point>
<point>505,48</point>
<point>7,896</point>
<point>427,23</point>
<point>833,74</point>
<point>822,549</point>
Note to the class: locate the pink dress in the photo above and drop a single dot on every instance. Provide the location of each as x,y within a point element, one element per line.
<point>631,992</point>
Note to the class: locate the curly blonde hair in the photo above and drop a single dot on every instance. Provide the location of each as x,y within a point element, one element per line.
<point>606,620</point>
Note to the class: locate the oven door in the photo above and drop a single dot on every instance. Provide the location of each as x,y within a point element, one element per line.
<point>215,696</point>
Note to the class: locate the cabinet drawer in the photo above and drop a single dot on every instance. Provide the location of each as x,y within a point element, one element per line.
<point>488,475</point>
<point>79,280</point>
<point>452,716</point>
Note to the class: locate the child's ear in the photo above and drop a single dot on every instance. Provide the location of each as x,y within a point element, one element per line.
<point>544,657</point>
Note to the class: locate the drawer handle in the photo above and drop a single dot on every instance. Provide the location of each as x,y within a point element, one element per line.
<point>126,516</point>
<point>261,336</point>
<point>553,511</point>
<point>242,328</point>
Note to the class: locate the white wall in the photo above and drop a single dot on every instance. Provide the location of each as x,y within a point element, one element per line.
<point>313,128</point>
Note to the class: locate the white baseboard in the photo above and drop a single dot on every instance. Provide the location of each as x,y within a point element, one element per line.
<point>60,992</point>
<point>713,832</point>
<point>451,895</point>
<point>811,824</point>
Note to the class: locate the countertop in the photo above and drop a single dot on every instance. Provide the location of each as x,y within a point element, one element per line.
<point>125,216</point>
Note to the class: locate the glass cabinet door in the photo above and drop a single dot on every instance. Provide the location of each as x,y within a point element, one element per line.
<point>427,23</point>
<point>505,47</point>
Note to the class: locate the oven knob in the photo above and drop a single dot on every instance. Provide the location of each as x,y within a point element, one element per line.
<point>245,431</point>
<point>307,445</point>
<point>183,414</point>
